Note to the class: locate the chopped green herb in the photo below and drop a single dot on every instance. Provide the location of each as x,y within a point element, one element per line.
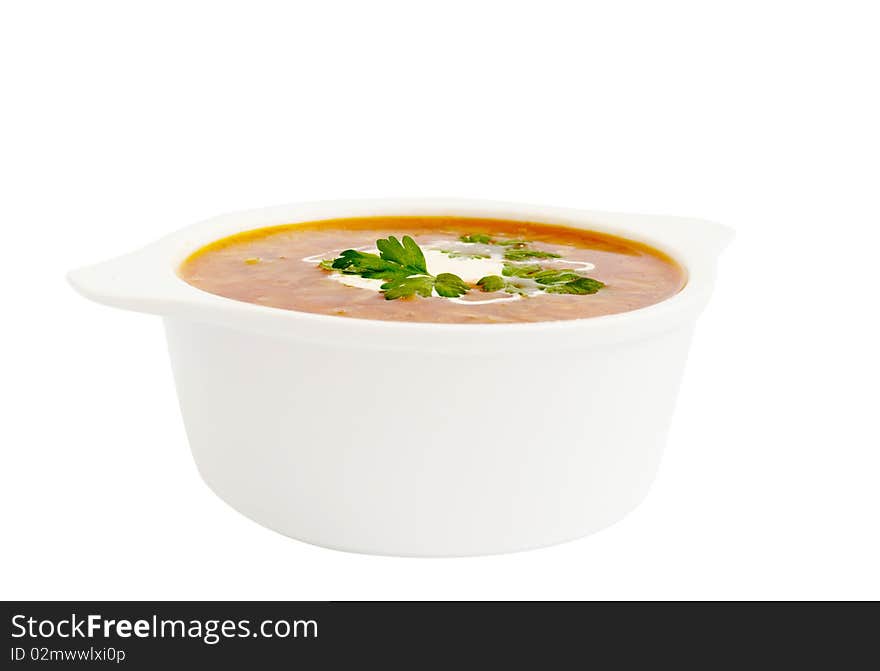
<point>452,254</point>
<point>483,239</point>
<point>523,254</point>
<point>479,238</point>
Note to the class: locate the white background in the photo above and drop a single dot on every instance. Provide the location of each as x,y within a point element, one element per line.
<point>123,121</point>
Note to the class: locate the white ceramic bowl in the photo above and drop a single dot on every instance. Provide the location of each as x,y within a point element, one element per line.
<point>421,439</point>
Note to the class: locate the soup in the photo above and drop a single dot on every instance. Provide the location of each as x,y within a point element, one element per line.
<point>436,269</point>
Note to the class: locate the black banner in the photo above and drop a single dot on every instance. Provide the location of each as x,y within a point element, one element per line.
<point>145,635</point>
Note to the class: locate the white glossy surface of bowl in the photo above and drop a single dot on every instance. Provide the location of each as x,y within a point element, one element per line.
<point>430,446</point>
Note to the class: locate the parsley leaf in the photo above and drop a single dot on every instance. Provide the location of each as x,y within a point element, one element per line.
<point>554,281</point>
<point>406,287</point>
<point>522,287</point>
<point>368,265</point>
<point>395,259</point>
<point>580,286</point>
<point>445,284</point>
<point>511,270</point>
<point>539,274</point>
<point>408,254</point>
<point>450,286</point>
<point>555,276</point>
<point>402,265</point>
<point>492,283</point>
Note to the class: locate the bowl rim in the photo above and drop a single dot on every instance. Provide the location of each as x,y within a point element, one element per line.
<point>148,280</point>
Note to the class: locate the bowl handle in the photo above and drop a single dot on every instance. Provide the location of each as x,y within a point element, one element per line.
<point>141,281</point>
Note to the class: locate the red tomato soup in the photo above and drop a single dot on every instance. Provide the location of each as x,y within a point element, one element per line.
<point>436,269</point>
